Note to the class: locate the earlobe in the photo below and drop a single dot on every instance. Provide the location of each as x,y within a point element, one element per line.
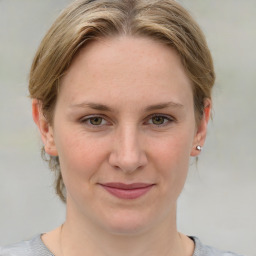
<point>201,132</point>
<point>45,129</point>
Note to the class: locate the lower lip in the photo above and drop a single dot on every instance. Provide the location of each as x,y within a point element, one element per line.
<point>128,193</point>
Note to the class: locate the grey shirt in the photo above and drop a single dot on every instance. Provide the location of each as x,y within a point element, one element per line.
<point>36,247</point>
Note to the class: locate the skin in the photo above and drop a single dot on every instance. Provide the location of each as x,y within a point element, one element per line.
<point>123,81</point>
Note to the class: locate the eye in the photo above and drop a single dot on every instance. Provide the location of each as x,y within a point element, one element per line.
<point>160,120</point>
<point>94,121</point>
<point>97,120</point>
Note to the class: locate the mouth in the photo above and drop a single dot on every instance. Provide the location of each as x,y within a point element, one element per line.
<point>127,191</point>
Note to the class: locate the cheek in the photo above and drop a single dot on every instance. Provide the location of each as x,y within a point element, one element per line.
<point>81,156</point>
<point>172,160</point>
<point>173,149</point>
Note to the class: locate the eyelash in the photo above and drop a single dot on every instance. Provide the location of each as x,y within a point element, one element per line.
<point>167,120</point>
<point>87,120</point>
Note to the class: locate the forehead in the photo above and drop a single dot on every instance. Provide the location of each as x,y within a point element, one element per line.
<point>124,66</point>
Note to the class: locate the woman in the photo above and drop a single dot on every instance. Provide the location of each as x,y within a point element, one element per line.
<point>121,96</point>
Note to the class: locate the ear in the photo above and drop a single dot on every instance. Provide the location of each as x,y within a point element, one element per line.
<point>44,127</point>
<point>201,130</point>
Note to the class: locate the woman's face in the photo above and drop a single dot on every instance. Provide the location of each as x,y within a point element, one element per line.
<point>124,130</point>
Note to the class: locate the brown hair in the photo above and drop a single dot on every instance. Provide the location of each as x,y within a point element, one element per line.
<point>87,20</point>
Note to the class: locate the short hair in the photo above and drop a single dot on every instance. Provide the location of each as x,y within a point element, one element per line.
<point>84,21</point>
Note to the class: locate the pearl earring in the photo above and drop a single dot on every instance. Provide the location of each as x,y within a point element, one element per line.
<point>199,148</point>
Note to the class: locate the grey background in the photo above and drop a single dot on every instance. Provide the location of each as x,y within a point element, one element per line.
<point>218,203</point>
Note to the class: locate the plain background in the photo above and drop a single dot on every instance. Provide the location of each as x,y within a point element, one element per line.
<point>218,203</point>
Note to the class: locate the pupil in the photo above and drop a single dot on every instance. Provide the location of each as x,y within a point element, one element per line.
<point>96,120</point>
<point>158,120</point>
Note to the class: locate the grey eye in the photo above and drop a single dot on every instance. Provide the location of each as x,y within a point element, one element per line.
<point>158,120</point>
<point>95,120</point>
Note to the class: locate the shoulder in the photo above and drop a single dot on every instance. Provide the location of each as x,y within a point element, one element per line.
<point>33,247</point>
<point>205,250</point>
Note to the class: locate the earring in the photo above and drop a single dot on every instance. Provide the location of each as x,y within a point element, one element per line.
<point>199,148</point>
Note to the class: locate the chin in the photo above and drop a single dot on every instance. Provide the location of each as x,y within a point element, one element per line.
<point>128,223</point>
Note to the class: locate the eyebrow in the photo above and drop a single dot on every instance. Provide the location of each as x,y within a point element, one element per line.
<point>102,107</point>
<point>92,105</point>
<point>164,105</point>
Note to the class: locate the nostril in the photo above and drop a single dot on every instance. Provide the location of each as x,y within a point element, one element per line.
<point>128,163</point>
<point>127,154</point>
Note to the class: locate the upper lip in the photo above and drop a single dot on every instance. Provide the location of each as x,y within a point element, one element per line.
<point>119,185</point>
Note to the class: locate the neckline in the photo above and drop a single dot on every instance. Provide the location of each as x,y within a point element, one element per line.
<point>49,253</point>
<point>43,245</point>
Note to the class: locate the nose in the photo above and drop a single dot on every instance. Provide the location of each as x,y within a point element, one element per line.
<point>127,152</point>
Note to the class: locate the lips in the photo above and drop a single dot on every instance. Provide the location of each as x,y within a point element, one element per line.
<point>127,191</point>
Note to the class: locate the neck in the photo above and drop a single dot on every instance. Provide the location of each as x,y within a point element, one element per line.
<point>84,238</point>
